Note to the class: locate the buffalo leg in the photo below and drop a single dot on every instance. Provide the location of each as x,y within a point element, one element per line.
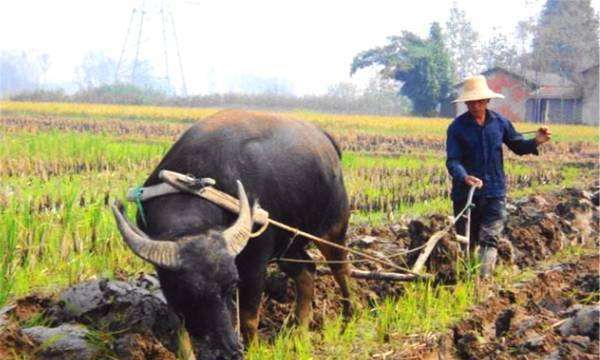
<point>303,275</point>
<point>250,288</point>
<point>340,271</point>
<point>305,291</point>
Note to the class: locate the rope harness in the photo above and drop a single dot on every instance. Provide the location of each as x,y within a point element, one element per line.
<point>175,182</point>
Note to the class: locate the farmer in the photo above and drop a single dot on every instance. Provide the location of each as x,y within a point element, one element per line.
<point>474,158</point>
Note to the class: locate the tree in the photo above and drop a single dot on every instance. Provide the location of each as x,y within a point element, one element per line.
<point>343,90</point>
<point>95,70</point>
<point>441,59</point>
<point>21,72</point>
<point>381,94</point>
<point>251,84</point>
<point>565,39</point>
<point>421,65</point>
<point>524,37</point>
<point>463,44</point>
<point>498,51</point>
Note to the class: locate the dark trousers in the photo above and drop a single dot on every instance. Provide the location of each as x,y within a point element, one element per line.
<point>487,220</point>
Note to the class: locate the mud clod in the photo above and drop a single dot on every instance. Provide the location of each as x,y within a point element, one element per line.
<point>503,322</point>
<point>539,319</point>
<point>63,342</point>
<point>117,306</point>
<point>136,311</point>
<point>138,347</point>
<point>586,322</point>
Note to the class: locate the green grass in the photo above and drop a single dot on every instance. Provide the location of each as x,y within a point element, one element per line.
<point>55,187</point>
<point>351,161</point>
<point>89,152</point>
<point>377,218</point>
<point>422,309</point>
<point>59,231</point>
<point>56,228</point>
<point>8,247</point>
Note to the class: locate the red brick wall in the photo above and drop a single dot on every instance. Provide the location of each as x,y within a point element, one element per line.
<point>515,93</point>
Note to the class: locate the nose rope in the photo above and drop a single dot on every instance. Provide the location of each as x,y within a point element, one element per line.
<point>137,197</point>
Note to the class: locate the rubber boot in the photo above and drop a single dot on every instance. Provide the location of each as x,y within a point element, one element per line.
<point>487,255</point>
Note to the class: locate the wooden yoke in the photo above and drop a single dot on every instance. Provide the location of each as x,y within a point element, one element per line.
<point>187,184</point>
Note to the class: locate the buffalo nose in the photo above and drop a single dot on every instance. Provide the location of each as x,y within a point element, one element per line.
<point>235,356</point>
<point>223,355</point>
<point>238,355</point>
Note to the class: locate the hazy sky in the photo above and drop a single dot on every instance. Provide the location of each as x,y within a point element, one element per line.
<point>310,43</point>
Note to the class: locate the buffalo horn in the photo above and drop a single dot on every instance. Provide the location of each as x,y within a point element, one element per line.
<point>237,235</point>
<point>163,254</point>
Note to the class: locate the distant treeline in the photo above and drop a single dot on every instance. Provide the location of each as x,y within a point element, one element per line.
<point>368,103</point>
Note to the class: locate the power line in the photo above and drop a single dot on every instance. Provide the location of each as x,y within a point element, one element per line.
<point>178,55</point>
<point>124,45</point>
<point>137,45</point>
<point>137,59</point>
<point>164,33</point>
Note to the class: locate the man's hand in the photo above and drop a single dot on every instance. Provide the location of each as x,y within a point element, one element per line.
<point>473,181</point>
<point>543,135</point>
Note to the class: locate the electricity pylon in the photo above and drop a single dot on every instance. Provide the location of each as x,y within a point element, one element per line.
<point>149,48</point>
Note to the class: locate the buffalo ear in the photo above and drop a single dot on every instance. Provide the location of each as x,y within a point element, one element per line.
<point>237,235</point>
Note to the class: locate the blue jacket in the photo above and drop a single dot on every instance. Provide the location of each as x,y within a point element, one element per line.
<point>477,150</point>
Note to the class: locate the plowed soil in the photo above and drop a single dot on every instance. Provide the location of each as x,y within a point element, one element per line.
<point>553,315</point>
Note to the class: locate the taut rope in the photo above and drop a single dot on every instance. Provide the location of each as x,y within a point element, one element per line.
<point>175,182</point>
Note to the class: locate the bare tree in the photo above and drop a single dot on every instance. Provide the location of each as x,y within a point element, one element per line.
<point>565,38</point>
<point>95,70</point>
<point>21,71</point>
<point>253,84</point>
<point>382,94</point>
<point>343,90</point>
<point>499,51</point>
<point>462,43</point>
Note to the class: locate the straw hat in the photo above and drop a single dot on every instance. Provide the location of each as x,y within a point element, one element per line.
<point>476,88</point>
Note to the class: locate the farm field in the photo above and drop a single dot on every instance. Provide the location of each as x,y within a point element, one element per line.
<point>61,165</point>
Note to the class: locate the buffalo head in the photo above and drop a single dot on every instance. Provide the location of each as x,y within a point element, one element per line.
<point>202,277</point>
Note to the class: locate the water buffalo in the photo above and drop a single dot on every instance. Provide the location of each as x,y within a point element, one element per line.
<point>293,168</point>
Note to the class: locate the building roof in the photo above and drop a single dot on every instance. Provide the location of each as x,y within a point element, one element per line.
<point>547,79</point>
<point>552,86</point>
<point>590,69</point>
<point>557,92</point>
<point>542,85</point>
